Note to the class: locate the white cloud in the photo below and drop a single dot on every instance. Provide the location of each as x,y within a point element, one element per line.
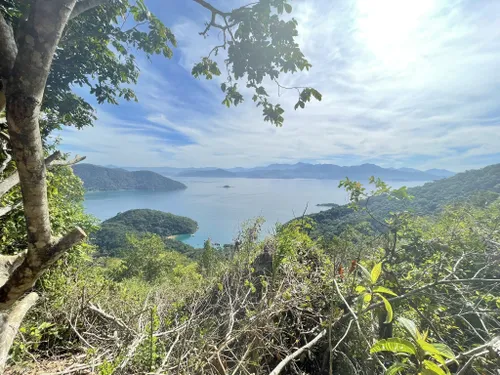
<point>403,82</point>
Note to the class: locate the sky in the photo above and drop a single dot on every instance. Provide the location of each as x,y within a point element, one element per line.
<point>405,83</point>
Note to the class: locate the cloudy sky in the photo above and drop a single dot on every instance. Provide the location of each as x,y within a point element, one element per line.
<point>412,83</point>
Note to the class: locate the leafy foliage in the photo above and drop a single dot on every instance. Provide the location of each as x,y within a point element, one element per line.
<point>419,350</point>
<point>478,187</point>
<point>260,46</point>
<point>112,235</point>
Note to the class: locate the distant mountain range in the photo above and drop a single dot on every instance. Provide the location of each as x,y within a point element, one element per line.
<point>97,178</point>
<point>305,170</point>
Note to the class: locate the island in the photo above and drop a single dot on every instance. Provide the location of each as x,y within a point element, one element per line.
<point>227,186</point>
<point>97,178</point>
<point>112,236</point>
<point>327,205</point>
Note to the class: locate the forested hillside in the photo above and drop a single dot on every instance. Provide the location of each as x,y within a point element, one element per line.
<point>321,295</point>
<point>97,178</point>
<point>481,184</point>
<point>421,298</point>
<point>111,238</point>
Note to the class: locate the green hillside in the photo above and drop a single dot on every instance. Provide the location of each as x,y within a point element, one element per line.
<point>481,184</point>
<point>112,235</point>
<point>97,178</point>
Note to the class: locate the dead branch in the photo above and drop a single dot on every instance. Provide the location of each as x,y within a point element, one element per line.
<point>110,317</point>
<point>296,353</point>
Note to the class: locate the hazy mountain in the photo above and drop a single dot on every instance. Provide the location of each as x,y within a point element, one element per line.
<point>95,177</point>
<point>411,170</point>
<point>168,171</point>
<point>306,170</point>
<point>208,173</point>
<point>440,172</point>
<point>318,171</point>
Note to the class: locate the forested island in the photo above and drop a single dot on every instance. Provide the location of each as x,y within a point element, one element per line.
<point>327,205</point>
<point>97,178</point>
<point>111,238</point>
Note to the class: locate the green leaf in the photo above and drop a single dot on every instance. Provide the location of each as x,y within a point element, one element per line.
<point>444,350</point>
<point>376,271</point>
<point>409,326</point>
<point>381,289</point>
<point>394,345</point>
<point>388,308</point>
<point>367,298</point>
<point>430,368</point>
<point>317,95</point>
<point>360,289</point>
<point>396,368</point>
<point>366,274</point>
<point>288,8</point>
<point>437,351</point>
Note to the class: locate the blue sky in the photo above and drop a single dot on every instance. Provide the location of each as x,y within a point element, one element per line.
<point>404,83</point>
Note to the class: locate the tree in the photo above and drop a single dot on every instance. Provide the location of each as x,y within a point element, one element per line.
<point>47,46</point>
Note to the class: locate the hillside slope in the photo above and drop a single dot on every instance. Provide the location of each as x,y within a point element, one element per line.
<point>97,178</point>
<point>112,235</point>
<point>428,199</point>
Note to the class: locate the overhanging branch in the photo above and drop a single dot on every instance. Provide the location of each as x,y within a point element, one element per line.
<point>8,209</point>
<point>83,6</point>
<point>50,162</point>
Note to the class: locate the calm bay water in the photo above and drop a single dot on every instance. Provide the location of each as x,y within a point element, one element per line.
<point>219,211</point>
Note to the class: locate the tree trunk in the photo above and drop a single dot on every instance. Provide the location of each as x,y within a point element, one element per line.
<point>25,62</point>
<point>9,325</point>
<point>25,70</point>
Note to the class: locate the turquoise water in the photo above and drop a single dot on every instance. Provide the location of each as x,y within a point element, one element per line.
<point>219,211</point>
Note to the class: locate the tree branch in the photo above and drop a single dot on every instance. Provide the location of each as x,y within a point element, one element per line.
<point>8,157</point>
<point>85,5</point>
<point>8,209</point>
<point>296,353</point>
<point>25,91</point>
<point>427,286</point>
<point>35,263</point>
<point>50,162</point>
<point>9,325</point>
<point>110,317</point>
<point>8,48</point>
<point>211,8</point>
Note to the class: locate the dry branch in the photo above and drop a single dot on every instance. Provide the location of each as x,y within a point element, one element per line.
<point>296,353</point>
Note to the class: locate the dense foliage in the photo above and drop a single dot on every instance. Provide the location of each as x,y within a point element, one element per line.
<point>422,298</point>
<point>65,194</point>
<point>482,185</point>
<point>112,236</point>
<point>97,178</point>
<point>320,297</point>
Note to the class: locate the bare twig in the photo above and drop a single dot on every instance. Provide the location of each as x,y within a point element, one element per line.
<point>296,353</point>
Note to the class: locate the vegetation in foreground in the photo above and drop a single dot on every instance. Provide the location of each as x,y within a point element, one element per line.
<point>420,298</point>
<point>475,186</point>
